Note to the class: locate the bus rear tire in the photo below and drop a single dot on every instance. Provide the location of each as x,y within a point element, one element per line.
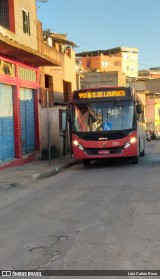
<point>135,160</point>
<point>86,162</point>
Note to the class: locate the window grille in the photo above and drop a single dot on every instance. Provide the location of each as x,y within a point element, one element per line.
<point>4,14</point>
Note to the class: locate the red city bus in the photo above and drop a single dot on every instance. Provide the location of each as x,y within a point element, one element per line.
<point>106,122</point>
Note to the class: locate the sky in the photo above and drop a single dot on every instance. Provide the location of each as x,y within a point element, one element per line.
<point>105,24</point>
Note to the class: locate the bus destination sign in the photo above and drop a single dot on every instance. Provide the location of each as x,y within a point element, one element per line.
<point>101,94</point>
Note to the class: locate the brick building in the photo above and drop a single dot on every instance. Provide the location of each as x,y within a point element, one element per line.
<point>121,59</point>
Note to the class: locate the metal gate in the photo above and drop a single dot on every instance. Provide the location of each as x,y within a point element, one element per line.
<point>7,151</point>
<point>27,120</point>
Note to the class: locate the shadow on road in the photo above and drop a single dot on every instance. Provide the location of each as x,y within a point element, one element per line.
<point>148,161</point>
<point>112,162</point>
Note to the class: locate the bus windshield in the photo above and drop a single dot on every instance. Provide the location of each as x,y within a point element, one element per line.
<point>103,116</point>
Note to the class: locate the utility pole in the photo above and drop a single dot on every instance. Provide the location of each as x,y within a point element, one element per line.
<point>49,133</point>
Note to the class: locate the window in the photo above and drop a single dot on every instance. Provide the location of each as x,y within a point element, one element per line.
<point>47,93</point>
<point>67,89</point>
<point>88,63</point>
<point>125,57</point>
<point>26,22</point>
<point>4,13</point>
<point>117,63</point>
<point>133,58</point>
<point>132,68</point>
<point>7,14</point>
<point>104,64</point>
<point>126,68</point>
<point>27,74</point>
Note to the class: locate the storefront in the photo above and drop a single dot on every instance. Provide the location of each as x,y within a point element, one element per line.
<point>7,146</point>
<point>19,98</point>
<point>19,133</point>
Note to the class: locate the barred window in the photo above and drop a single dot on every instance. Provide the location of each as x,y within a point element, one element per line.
<point>4,14</point>
<point>27,74</point>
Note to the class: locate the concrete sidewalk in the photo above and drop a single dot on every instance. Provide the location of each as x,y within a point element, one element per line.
<point>26,173</point>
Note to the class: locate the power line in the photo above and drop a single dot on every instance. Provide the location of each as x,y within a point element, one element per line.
<point>84,43</point>
<point>41,40</point>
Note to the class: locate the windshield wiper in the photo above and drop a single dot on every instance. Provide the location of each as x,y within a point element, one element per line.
<point>115,103</point>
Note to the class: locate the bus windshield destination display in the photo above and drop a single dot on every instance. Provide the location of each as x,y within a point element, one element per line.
<point>101,94</point>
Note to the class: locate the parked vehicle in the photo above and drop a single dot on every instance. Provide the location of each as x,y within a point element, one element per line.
<point>148,136</point>
<point>153,135</point>
<point>157,136</point>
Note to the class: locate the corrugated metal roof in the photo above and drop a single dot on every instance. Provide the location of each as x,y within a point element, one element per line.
<point>106,52</point>
<point>60,38</point>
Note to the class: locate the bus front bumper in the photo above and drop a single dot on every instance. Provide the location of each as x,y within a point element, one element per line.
<point>99,153</point>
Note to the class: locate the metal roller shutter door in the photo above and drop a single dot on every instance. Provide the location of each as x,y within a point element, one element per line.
<point>27,120</point>
<point>7,149</point>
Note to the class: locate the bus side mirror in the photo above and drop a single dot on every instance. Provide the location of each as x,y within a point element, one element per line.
<point>139,108</point>
<point>70,113</point>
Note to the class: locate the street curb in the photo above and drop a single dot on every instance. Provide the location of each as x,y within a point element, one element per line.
<point>54,171</point>
<point>36,176</point>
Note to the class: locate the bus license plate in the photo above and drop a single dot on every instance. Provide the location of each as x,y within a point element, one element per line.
<point>103,152</point>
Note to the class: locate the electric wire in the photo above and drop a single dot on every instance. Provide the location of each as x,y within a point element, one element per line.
<point>41,41</point>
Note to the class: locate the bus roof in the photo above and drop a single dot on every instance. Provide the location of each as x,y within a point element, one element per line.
<point>99,88</point>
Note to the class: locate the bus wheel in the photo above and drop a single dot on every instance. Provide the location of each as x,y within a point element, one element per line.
<point>135,160</point>
<point>142,153</point>
<point>86,162</point>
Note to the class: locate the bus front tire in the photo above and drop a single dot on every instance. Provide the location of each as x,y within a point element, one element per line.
<point>86,162</point>
<point>142,153</point>
<point>135,160</point>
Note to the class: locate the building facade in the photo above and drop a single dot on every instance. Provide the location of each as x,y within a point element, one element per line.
<point>152,73</point>
<point>148,91</point>
<point>121,59</point>
<point>19,82</point>
<point>93,79</point>
<point>56,86</point>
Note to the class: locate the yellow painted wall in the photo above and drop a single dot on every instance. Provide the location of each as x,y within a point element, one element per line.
<point>157,117</point>
<point>130,64</point>
<point>19,36</point>
<point>64,72</point>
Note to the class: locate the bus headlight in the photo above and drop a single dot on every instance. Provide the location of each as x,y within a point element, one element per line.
<point>75,142</point>
<point>79,145</point>
<point>131,141</point>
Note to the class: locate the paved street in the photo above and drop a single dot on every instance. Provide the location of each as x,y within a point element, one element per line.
<point>105,216</point>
